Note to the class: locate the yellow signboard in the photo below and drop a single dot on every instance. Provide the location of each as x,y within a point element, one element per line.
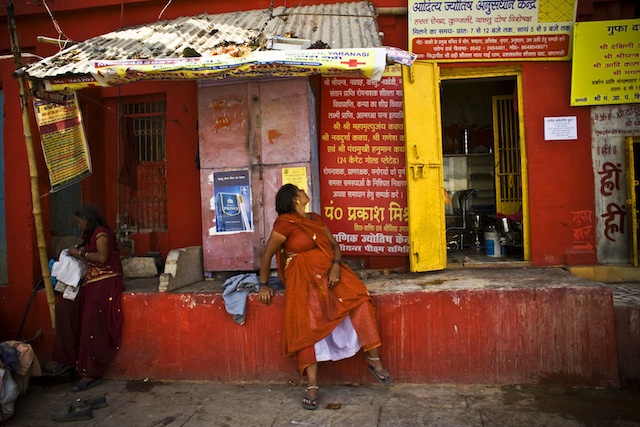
<point>606,63</point>
<point>491,30</point>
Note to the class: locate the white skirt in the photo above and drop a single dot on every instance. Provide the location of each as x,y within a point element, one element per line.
<point>341,343</point>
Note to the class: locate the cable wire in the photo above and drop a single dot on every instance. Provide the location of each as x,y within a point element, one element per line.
<point>163,9</point>
<point>57,27</point>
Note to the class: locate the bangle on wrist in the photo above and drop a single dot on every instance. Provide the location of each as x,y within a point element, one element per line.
<point>337,261</point>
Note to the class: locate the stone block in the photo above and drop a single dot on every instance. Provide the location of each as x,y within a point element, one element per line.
<point>139,267</point>
<point>182,267</point>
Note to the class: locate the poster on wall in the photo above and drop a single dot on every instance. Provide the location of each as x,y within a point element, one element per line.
<point>232,200</point>
<point>362,178</point>
<point>64,145</point>
<point>490,30</point>
<point>606,63</point>
<point>298,177</point>
<point>560,128</point>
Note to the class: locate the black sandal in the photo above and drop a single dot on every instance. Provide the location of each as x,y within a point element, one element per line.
<point>382,376</point>
<point>310,403</point>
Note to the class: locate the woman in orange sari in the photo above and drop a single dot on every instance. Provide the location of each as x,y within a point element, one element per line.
<point>329,314</point>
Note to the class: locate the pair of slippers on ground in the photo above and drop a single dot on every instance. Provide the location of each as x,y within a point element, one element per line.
<point>80,410</point>
<point>311,403</point>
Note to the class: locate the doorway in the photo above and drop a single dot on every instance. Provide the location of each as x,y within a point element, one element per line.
<point>483,174</point>
<point>632,146</point>
<point>430,238</point>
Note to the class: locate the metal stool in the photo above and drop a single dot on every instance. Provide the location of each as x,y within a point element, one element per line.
<point>456,241</point>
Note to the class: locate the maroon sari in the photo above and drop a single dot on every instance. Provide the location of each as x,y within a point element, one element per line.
<point>89,329</point>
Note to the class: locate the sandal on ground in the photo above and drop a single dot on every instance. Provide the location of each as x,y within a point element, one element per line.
<point>382,376</point>
<point>86,385</point>
<point>73,412</point>
<point>94,402</point>
<point>310,403</point>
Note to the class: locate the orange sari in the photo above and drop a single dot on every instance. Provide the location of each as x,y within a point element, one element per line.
<point>312,309</point>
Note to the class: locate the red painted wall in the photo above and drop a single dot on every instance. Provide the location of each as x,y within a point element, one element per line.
<point>553,335</point>
<point>561,177</point>
<point>22,259</point>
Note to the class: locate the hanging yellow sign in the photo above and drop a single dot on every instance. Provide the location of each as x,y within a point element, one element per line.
<point>64,145</point>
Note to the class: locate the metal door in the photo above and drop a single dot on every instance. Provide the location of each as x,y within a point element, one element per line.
<point>506,146</point>
<point>425,182</point>
<point>259,127</point>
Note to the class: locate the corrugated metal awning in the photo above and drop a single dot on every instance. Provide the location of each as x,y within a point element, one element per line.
<point>238,34</point>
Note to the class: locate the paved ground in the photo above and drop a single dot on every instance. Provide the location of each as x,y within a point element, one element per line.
<point>187,404</point>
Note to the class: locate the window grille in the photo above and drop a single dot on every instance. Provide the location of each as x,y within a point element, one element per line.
<point>143,172</point>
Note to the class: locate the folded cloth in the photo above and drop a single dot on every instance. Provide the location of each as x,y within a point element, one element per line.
<point>236,290</point>
<point>71,292</point>
<point>68,269</point>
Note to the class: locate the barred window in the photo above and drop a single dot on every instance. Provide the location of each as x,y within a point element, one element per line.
<point>143,171</point>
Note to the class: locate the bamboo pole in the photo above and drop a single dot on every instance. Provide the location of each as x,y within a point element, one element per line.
<point>20,75</point>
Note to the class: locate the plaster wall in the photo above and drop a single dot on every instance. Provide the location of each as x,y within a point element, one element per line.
<point>560,172</point>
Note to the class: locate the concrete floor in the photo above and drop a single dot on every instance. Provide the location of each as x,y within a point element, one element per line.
<point>143,403</point>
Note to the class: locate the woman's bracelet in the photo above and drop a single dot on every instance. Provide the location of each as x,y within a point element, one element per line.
<point>337,261</point>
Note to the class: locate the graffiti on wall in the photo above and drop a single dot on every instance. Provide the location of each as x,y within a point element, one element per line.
<point>610,126</point>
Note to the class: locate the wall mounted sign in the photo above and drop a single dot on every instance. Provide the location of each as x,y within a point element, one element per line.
<point>491,30</point>
<point>606,63</point>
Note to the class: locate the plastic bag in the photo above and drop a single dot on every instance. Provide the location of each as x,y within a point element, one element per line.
<point>8,394</point>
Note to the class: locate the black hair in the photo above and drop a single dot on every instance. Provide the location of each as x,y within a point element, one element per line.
<point>90,213</point>
<point>284,198</point>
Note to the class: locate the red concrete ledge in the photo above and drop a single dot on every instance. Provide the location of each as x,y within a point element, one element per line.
<point>475,326</point>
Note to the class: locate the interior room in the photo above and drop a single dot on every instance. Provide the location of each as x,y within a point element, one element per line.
<point>481,165</point>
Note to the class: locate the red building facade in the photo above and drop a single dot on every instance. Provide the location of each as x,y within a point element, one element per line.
<point>555,198</point>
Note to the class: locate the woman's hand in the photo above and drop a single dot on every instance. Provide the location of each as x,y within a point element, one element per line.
<point>265,293</point>
<point>334,275</point>
<point>75,252</point>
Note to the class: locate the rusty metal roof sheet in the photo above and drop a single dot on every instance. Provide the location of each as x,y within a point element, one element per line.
<point>335,26</point>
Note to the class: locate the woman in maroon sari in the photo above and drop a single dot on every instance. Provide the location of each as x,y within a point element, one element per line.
<point>328,311</point>
<point>89,329</point>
